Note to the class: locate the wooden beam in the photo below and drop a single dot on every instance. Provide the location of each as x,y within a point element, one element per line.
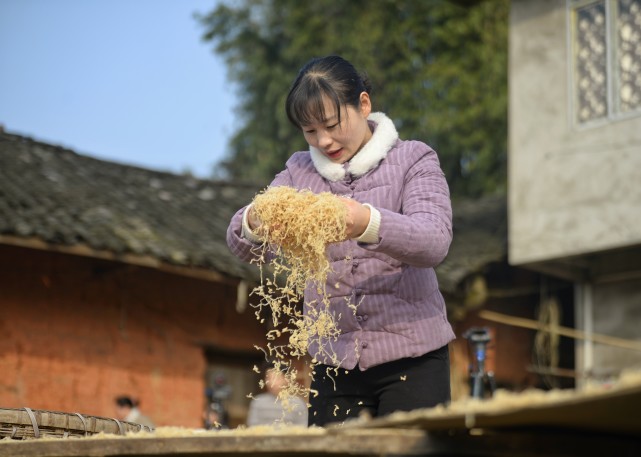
<point>565,331</point>
<point>554,371</point>
<point>304,443</point>
<point>130,259</point>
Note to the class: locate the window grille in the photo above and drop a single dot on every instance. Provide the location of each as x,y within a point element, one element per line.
<point>629,54</point>
<point>606,49</point>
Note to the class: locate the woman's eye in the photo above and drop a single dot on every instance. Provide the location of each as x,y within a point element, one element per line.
<point>332,126</point>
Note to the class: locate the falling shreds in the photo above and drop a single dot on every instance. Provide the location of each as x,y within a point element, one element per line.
<point>297,226</point>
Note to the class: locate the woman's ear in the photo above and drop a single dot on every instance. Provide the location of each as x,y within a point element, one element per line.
<point>366,104</point>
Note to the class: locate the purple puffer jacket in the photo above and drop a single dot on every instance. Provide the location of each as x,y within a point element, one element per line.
<point>400,310</point>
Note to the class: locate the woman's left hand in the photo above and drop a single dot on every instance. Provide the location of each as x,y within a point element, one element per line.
<point>357,217</point>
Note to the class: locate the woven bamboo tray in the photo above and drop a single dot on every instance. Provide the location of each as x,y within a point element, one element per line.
<point>25,423</point>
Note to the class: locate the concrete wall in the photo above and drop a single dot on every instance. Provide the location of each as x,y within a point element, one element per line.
<point>614,309</point>
<point>615,303</point>
<point>76,332</point>
<point>572,190</point>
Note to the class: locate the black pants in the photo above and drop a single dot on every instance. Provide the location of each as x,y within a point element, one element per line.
<point>400,385</point>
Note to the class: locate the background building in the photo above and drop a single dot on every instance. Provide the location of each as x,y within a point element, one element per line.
<point>575,163</point>
<point>117,280</point>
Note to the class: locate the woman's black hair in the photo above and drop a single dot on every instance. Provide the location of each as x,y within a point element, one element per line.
<point>332,77</point>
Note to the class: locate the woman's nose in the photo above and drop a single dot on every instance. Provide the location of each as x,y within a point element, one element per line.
<point>324,139</point>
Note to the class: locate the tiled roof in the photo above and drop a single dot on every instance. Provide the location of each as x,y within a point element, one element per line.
<point>53,194</point>
<point>480,238</point>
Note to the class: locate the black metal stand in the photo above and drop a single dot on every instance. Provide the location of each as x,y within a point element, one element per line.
<point>482,382</point>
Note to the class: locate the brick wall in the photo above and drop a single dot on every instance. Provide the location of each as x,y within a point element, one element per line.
<point>76,332</point>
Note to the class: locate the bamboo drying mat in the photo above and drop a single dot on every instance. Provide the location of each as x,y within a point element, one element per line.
<point>26,423</point>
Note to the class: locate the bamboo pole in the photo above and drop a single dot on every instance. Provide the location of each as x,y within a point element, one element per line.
<point>565,331</point>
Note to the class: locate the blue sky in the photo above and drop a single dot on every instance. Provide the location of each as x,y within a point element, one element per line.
<point>129,81</point>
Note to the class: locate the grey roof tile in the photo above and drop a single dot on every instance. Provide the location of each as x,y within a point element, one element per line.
<point>480,238</point>
<point>61,197</point>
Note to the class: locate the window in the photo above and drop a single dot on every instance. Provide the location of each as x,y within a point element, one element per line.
<point>606,49</point>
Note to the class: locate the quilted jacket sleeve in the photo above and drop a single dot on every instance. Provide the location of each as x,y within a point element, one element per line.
<point>421,233</point>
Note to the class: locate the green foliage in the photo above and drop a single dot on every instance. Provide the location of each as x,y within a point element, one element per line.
<point>438,69</point>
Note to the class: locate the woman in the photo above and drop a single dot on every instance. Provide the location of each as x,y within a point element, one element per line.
<point>393,349</point>
<point>267,408</point>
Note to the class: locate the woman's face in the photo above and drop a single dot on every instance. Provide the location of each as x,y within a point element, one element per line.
<point>340,141</point>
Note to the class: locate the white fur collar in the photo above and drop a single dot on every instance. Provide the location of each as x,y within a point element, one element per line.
<point>375,150</point>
